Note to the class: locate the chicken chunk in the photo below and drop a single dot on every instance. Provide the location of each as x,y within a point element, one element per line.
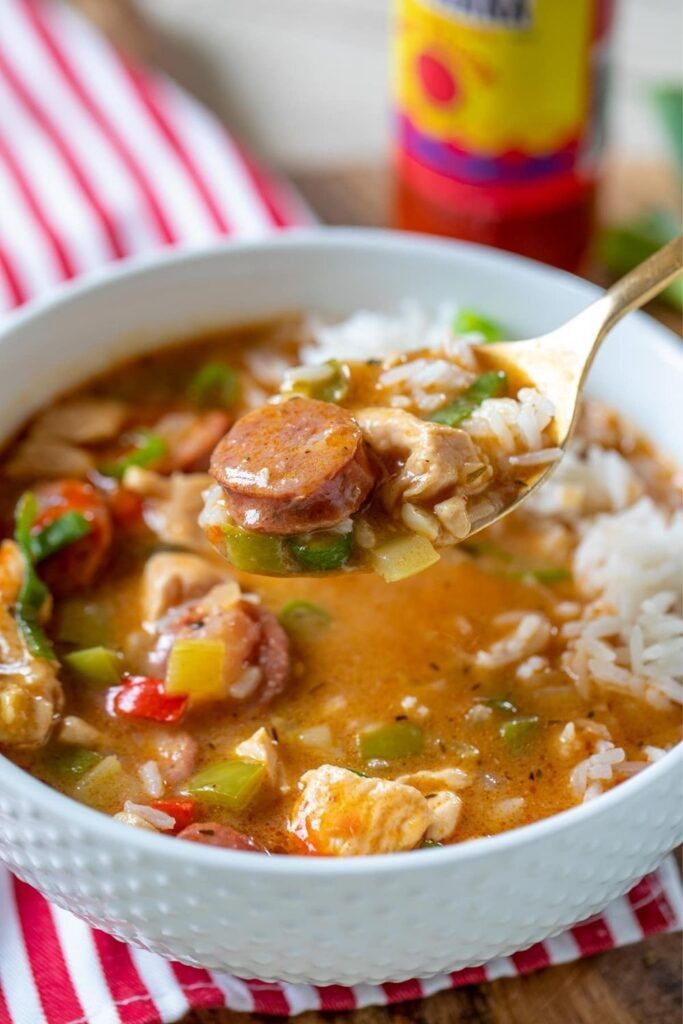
<point>49,458</point>
<point>445,809</point>
<point>171,505</point>
<point>261,747</point>
<point>52,447</point>
<point>435,460</point>
<point>82,421</point>
<point>171,578</point>
<point>30,692</point>
<point>438,780</point>
<point>342,814</point>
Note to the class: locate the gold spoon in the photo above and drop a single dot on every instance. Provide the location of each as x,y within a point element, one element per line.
<point>557,364</point>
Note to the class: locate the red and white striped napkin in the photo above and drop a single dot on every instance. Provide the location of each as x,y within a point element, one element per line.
<point>100,159</point>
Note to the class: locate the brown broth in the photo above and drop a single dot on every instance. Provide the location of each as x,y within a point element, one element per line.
<point>384,644</point>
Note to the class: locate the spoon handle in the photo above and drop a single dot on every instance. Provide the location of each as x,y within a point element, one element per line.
<point>636,288</point>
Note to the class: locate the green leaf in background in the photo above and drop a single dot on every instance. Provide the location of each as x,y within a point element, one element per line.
<point>622,248</point>
<point>668,102</point>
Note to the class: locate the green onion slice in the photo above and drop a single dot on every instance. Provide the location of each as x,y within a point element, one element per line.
<point>500,704</point>
<point>149,449</point>
<point>487,385</point>
<point>303,618</point>
<point>33,593</point>
<point>469,321</point>
<point>390,742</point>
<point>323,551</point>
<point>69,528</point>
<point>214,384</point>
<point>71,762</point>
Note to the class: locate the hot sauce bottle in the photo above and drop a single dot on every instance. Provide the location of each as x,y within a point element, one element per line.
<point>499,121</point>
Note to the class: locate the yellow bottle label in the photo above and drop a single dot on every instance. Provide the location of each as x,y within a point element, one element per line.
<point>497,94</point>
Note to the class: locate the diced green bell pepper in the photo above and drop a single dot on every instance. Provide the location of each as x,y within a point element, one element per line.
<point>323,551</point>
<point>96,666</point>
<point>518,733</point>
<point>390,742</point>
<point>229,784</point>
<point>255,552</point>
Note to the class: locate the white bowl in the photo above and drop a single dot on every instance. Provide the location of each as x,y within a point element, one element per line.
<point>314,919</point>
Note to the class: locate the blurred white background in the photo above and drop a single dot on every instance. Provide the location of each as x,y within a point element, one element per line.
<point>306,80</point>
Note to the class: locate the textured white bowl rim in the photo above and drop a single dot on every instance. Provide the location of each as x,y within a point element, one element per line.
<point>296,865</point>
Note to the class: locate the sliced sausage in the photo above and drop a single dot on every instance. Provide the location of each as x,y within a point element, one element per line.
<point>190,438</point>
<point>77,564</point>
<point>257,659</point>
<point>212,833</point>
<point>292,467</point>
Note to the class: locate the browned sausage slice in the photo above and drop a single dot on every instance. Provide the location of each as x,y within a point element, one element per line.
<point>212,833</point>
<point>292,467</point>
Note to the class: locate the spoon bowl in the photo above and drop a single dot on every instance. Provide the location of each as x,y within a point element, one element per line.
<point>557,363</point>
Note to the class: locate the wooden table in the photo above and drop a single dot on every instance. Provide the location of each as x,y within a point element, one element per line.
<point>636,985</point>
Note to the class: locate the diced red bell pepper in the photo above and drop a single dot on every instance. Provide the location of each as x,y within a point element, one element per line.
<point>182,810</point>
<point>145,697</point>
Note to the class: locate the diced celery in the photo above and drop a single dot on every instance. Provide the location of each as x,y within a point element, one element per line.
<point>196,669</point>
<point>97,666</point>
<point>332,386</point>
<point>323,551</point>
<point>518,733</point>
<point>469,321</point>
<point>71,762</point>
<point>229,784</point>
<point>390,742</point>
<point>105,785</point>
<point>255,552</point>
<point>303,619</point>
<point>402,557</point>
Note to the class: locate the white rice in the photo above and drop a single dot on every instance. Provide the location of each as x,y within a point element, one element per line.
<point>601,481</point>
<point>151,778</point>
<point>372,335</point>
<point>159,819</point>
<point>537,458</point>
<point>511,425</point>
<point>588,776</point>
<point>630,637</point>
